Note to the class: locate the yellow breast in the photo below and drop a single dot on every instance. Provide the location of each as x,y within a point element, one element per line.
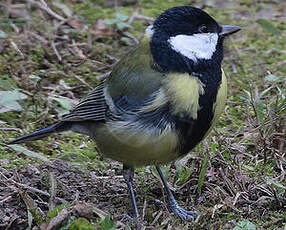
<point>184,92</point>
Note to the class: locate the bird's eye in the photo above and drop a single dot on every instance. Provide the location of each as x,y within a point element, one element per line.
<point>203,29</point>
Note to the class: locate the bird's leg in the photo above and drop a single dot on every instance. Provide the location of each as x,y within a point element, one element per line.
<point>172,203</point>
<point>128,174</point>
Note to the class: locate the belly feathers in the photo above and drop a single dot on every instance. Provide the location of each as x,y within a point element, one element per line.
<point>135,145</point>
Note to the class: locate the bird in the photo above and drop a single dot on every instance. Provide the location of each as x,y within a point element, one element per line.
<point>159,101</point>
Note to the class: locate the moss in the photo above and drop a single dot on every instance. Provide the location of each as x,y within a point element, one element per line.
<point>91,12</point>
<point>81,224</point>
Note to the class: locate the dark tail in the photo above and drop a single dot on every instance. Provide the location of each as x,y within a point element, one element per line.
<point>41,133</point>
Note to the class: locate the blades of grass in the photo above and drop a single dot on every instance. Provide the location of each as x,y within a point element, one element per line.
<point>30,220</point>
<point>202,173</point>
<point>54,212</point>
<point>28,153</point>
<point>107,224</point>
<point>260,111</point>
<point>81,223</point>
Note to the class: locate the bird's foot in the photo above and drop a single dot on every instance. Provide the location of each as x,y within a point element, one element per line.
<point>126,218</point>
<point>180,212</point>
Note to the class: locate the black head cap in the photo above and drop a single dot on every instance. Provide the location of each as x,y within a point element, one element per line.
<point>185,20</point>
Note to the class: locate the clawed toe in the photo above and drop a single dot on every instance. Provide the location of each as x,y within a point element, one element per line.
<point>182,213</point>
<point>126,217</point>
<point>172,203</point>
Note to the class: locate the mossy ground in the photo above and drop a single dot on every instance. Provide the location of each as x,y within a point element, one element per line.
<point>54,64</point>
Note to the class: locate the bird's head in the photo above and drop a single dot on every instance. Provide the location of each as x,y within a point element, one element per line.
<point>185,38</point>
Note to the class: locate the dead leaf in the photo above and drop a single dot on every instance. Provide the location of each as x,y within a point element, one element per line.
<point>101,29</point>
<point>84,210</point>
<point>18,11</point>
<point>76,24</point>
<point>78,52</point>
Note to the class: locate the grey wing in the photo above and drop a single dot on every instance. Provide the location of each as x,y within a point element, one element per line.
<point>92,108</point>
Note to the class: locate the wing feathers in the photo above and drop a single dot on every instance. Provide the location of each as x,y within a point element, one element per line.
<point>93,107</point>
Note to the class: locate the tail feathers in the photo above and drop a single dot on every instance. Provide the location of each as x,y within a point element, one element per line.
<point>41,133</point>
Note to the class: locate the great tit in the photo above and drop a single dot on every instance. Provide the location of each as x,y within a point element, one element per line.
<point>159,101</point>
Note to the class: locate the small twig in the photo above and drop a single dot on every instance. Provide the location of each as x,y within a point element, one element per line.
<point>14,45</point>
<point>53,183</point>
<point>31,188</point>
<point>228,183</point>
<point>157,217</point>
<point>78,52</point>
<point>216,207</point>
<point>44,3</point>
<point>11,129</point>
<point>132,18</point>
<point>64,21</point>
<point>43,6</point>
<point>236,198</point>
<point>40,38</point>
<point>82,81</point>
<point>56,51</point>
<point>137,16</point>
<point>135,40</point>
<point>9,180</point>
<point>16,29</point>
<point>144,209</point>
<point>76,197</point>
<point>108,177</point>
<point>103,76</point>
<point>5,199</point>
<point>111,58</point>
<point>89,39</point>
<point>16,184</point>
<point>15,217</point>
<point>233,66</point>
<point>144,18</point>
<point>97,62</point>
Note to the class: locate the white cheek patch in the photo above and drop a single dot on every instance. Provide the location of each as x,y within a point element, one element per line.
<point>196,46</point>
<point>149,31</point>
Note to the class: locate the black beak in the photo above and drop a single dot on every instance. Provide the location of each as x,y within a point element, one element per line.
<point>227,30</point>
